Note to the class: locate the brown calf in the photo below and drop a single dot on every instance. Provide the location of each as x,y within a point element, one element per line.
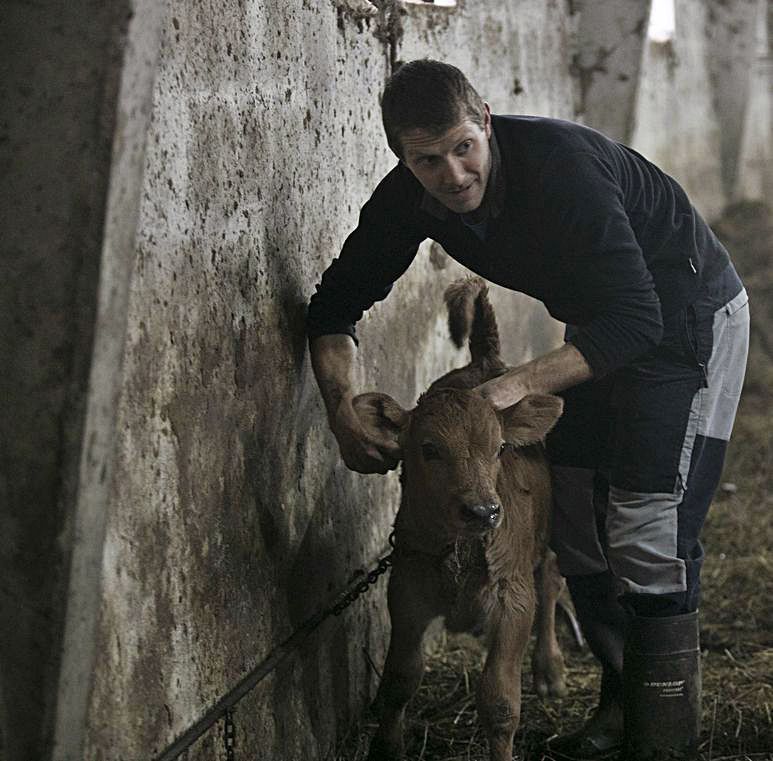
<point>471,532</point>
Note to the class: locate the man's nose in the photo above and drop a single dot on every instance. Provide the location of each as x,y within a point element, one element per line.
<point>454,173</point>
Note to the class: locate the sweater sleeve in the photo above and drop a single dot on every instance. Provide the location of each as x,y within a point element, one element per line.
<point>587,228</point>
<point>373,257</point>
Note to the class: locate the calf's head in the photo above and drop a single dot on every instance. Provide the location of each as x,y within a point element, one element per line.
<point>454,444</point>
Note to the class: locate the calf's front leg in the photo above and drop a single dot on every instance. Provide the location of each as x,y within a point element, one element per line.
<point>404,665</point>
<point>499,694</point>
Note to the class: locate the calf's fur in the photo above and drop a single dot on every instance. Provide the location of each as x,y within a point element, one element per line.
<point>459,453</point>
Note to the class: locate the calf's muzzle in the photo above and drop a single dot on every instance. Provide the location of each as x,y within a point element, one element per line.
<point>483,515</point>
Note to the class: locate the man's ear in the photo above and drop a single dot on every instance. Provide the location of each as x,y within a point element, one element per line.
<point>529,421</point>
<point>487,119</point>
<point>381,413</point>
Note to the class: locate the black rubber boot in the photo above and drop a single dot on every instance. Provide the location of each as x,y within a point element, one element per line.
<point>601,737</point>
<point>602,620</point>
<point>662,688</point>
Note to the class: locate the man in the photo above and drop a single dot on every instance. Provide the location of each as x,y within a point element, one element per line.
<point>657,333</point>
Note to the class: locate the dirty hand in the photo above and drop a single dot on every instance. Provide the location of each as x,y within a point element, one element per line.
<point>364,448</point>
<point>503,391</point>
<point>552,372</point>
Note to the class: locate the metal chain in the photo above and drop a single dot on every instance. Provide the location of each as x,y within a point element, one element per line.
<point>184,742</point>
<point>384,564</point>
<point>229,736</point>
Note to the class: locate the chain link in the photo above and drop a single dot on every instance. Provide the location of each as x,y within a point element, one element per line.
<point>383,566</point>
<point>229,736</point>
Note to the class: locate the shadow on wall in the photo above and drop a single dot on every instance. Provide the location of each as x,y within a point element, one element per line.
<point>300,519</point>
<point>330,548</point>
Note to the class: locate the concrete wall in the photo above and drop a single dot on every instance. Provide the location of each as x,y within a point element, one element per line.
<point>174,504</point>
<point>700,97</point>
<point>231,518</point>
<point>698,104</point>
<point>674,123</point>
<point>61,68</point>
<point>606,63</point>
<point>753,176</point>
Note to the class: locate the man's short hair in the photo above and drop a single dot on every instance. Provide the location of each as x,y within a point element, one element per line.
<point>427,95</point>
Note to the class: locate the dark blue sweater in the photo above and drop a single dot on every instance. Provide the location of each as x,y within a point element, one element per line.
<point>606,240</point>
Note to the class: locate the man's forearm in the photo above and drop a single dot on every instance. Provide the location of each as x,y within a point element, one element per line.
<point>548,374</point>
<point>332,359</point>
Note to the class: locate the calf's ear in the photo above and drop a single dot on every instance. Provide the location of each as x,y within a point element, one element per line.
<point>529,421</point>
<point>381,413</point>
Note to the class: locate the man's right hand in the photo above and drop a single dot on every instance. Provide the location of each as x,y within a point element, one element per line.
<point>364,448</point>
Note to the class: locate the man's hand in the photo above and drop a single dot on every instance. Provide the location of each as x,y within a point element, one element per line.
<point>548,374</point>
<point>503,391</point>
<point>364,448</point>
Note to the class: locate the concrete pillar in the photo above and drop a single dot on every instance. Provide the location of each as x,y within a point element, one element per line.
<point>702,104</point>
<point>61,310</point>
<point>605,66</point>
<point>675,123</point>
<point>751,175</point>
<point>132,109</point>
<point>732,52</point>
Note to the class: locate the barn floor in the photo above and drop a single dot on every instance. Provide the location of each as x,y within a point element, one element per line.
<point>737,609</point>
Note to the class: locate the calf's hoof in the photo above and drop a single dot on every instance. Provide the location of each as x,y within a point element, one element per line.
<point>549,678</point>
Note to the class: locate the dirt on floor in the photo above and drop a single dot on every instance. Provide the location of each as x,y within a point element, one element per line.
<point>737,606</point>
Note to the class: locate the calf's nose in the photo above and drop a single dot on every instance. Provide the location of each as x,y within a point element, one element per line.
<point>486,514</point>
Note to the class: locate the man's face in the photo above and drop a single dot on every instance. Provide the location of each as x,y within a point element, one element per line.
<point>453,168</point>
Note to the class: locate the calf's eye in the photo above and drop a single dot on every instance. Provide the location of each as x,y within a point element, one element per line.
<point>504,447</point>
<point>430,452</point>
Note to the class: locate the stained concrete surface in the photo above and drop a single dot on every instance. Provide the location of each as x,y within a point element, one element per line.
<point>694,94</point>
<point>231,517</point>
<point>228,516</point>
<point>139,50</point>
<point>58,82</point>
<point>607,63</point>
<point>675,82</point>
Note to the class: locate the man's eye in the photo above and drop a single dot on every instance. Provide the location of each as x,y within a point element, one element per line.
<point>465,146</point>
<point>430,452</point>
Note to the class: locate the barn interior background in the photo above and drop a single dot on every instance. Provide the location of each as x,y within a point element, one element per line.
<point>176,176</point>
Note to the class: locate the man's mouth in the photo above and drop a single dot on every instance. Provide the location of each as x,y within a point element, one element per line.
<point>461,191</point>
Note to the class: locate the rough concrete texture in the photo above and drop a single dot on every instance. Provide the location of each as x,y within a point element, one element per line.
<point>139,47</point>
<point>754,174</point>
<point>703,102</point>
<point>731,33</point>
<point>58,84</point>
<point>675,123</point>
<point>228,517</point>
<point>610,38</point>
<point>231,518</point>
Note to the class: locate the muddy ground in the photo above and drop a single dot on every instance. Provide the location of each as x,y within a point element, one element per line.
<point>737,607</point>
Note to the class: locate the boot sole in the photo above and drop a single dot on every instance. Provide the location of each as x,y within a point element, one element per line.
<point>583,754</point>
